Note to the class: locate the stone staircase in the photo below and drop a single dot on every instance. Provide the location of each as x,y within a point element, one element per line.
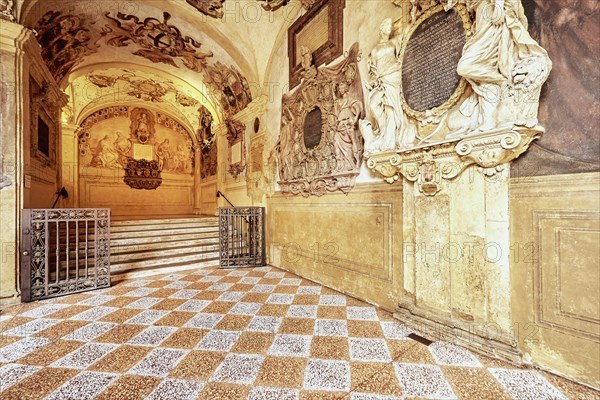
<point>156,246</point>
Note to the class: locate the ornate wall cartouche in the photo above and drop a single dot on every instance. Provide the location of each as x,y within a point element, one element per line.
<point>491,117</point>
<point>320,148</point>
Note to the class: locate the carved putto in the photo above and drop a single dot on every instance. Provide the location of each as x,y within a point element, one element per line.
<point>159,42</point>
<point>7,11</point>
<point>320,148</point>
<point>212,8</point>
<point>489,120</point>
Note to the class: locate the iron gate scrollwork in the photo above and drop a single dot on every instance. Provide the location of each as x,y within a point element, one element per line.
<point>242,237</point>
<point>64,251</point>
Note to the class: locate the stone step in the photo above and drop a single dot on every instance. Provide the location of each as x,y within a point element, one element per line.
<point>124,241</point>
<point>151,249</point>
<point>157,262</point>
<point>117,276</point>
<point>166,221</point>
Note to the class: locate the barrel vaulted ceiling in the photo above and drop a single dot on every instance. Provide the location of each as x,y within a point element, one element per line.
<point>175,54</point>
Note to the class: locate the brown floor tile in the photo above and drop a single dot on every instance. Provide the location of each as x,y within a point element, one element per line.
<point>6,340</point>
<point>220,272</point>
<point>308,299</point>
<point>253,342</point>
<point>230,279</point>
<point>130,387</point>
<point>386,316</point>
<point>207,295</point>
<point>175,318</point>
<point>317,395</point>
<point>199,286</point>
<point>281,372</point>
<point>354,302</point>
<point>301,326</point>
<point>241,287</point>
<point>13,323</point>
<point>39,385</point>
<point>374,378</point>
<point>120,290</point>
<point>185,338</point>
<point>157,284</point>
<point>121,315</point>
<point>120,301</point>
<point>270,281</point>
<point>164,293</point>
<point>224,391</point>
<point>474,383</point>
<point>409,351</point>
<point>571,389</point>
<point>168,304</point>
<point>233,322</point>
<point>256,274</point>
<point>68,312</point>
<point>190,278</point>
<point>219,307</point>
<point>287,289</point>
<point>61,329</point>
<point>73,298</point>
<point>330,348</point>
<point>331,312</point>
<point>273,310</point>
<point>255,297</point>
<point>490,362</point>
<point>326,290</point>
<point>197,365</point>
<point>364,329</point>
<point>121,359</point>
<point>50,353</point>
<point>120,334</point>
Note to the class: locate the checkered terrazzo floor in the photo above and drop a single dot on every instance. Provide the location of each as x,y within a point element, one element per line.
<point>240,334</point>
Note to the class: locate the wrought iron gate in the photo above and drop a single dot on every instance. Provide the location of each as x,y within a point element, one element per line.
<point>242,237</point>
<point>64,251</point>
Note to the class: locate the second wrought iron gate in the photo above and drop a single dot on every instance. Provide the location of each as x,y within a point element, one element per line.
<point>64,251</point>
<point>242,237</point>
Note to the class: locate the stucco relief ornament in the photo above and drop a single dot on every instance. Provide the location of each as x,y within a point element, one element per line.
<point>320,149</point>
<point>7,11</point>
<point>273,5</point>
<point>159,42</point>
<point>212,8</point>
<point>488,122</point>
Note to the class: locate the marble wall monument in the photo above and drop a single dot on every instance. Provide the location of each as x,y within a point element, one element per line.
<point>320,149</point>
<point>458,84</point>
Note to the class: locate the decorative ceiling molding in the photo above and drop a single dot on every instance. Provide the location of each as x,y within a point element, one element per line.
<point>7,10</point>
<point>233,90</point>
<point>211,8</point>
<point>273,5</point>
<point>65,41</point>
<point>144,89</point>
<point>160,42</point>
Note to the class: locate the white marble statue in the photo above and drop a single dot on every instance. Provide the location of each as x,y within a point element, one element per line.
<point>504,65</point>
<point>390,128</point>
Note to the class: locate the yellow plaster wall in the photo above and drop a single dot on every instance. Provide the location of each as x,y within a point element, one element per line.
<point>555,274</point>
<point>352,243</point>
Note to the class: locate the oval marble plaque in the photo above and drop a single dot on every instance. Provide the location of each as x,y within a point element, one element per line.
<point>429,76</point>
<point>313,123</point>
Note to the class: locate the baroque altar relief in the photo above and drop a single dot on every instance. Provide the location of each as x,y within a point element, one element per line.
<point>456,83</point>
<point>320,148</point>
<point>236,131</point>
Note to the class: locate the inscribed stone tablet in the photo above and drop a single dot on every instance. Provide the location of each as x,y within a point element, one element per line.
<point>432,53</point>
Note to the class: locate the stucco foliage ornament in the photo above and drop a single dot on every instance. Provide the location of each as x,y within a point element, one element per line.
<point>159,41</point>
<point>488,122</point>
<point>211,8</point>
<point>320,149</point>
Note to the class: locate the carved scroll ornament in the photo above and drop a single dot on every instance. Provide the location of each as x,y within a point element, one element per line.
<point>320,149</point>
<point>212,8</point>
<point>488,120</point>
